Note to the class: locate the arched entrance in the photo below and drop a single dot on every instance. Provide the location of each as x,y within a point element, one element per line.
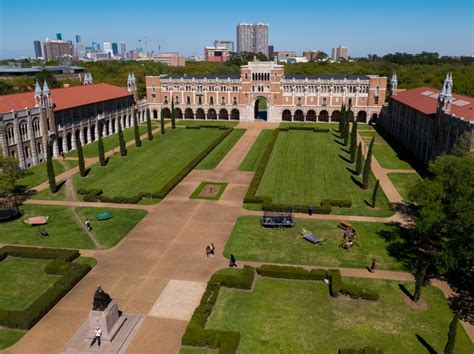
<point>60,144</point>
<point>235,114</point>
<point>200,114</point>
<point>211,114</point>
<point>336,116</point>
<point>223,114</point>
<point>362,117</point>
<point>299,116</point>
<point>311,116</point>
<point>286,115</point>
<point>178,113</point>
<point>324,116</point>
<point>166,113</point>
<point>261,108</point>
<point>188,113</point>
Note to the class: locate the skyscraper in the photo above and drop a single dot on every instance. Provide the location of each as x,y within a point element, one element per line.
<point>108,48</point>
<point>59,36</point>
<point>38,52</point>
<point>78,38</point>
<point>95,47</point>
<point>114,48</point>
<point>340,52</point>
<point>57,50</point>
<point>252,38</point>
<point>123,48</point>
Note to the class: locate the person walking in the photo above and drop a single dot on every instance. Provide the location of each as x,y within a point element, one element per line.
<point>233,261</point>
<point>372,266</point>
<point>213,249</point>
<point>208,251</point>
<point>98,334</point>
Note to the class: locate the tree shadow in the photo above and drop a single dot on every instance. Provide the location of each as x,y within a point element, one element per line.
<point>345,159</point>
<point>463,299</point>
<point>357,182</point>
<point>339,142</point>
<point>406,292</point>
<point>354,172</point>
<point>346,151</point>
<point>369,204</point>
<point>59,186</point>
<point>428,347</point>
<point>86,172</point>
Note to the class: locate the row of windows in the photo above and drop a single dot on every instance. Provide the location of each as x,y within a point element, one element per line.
<point>200,100</point>
<point>10,131</point>
<point>324,89</point>
<point>198,88</point>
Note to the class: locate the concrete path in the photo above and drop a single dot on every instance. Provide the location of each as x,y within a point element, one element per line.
<point>88,204</point>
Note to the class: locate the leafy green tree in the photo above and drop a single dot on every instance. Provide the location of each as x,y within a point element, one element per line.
<point>50,167</point>
<point>359,160</point>
<point>162,122</point>
<point>453,327</point>
<point>374,193</point>
<point>173,115</point>
<point>353,146</point>
<point>10,173</point>
<point>80,157</point>
<point>148,125</point>
<point>463,145</point>
<point>136,131</point>
<point>100,144</point>
<point>367,165</point>
<point>419,279</point>
<point>123,147</point>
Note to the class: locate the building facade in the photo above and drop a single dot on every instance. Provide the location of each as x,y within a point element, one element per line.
<point>57,50</point>
<point>61,116</point>
<point>170,58</point>
<point>288,97</point>
<point>226,44</point>
<point>216,54</point>
<point>428,122</point>
<point>38,51</point>
<point>340,52</point>
<point>252,38</point>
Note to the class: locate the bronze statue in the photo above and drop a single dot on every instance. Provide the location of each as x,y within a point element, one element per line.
<point>101,300</point>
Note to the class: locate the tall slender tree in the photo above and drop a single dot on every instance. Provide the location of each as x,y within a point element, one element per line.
<point>368,165</point>
<point>353,146</point>
<point>50,168</point>
<point>123,147</point>
<point>419,278</point>
<point>100,144</point>
<point>341,119</point>
<point>374,193</point>
<point>162,123</point>
<point>148,125</point>
<point>80,157</point>
<point>136,131</point>
<point>453,327</point>
<point>173,115</point>
<point>359,160</point>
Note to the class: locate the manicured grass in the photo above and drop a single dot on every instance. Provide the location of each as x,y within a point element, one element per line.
<point>63,229</point>
<point>193,123</point>
<point>307,167</point>
<point>9,337</point>
<point>92,262</point>
<point>404,182</point>
<point>22,281</point>
<point>149,168</point>
<point>38,174</point>
<point>212,160</point>
<point>309,124</point>
<point>197,193</point>
<point>110,232</point>
<point>255,153</point>
<point>385,154</point>
<point>249,241</point>
<point>288,316</point>
<point>46,194</point>
<point>110,142</point>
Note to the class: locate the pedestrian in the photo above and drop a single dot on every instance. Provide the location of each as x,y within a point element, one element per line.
<point>213,249</point>
<point>208,251</point>
<point>233,261</point>
<point>87,223</point>
<point>372,266</point>
<point>98,333</point>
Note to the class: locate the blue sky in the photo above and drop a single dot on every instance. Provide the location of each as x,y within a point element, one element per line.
<point>365,26</point>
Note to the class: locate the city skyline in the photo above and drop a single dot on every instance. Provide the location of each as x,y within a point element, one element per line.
<point>401,27</point>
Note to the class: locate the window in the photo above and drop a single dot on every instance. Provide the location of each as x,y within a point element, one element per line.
<point>324,101</point>
<point>299,101</point>
<point>376,100</point>
<point>40,150</point>
<point>211,100</point>
<point>222,100</point>
<point>235,100</point>
<point>188,100</point>
<point>199,99</point>
<point>177,100</point>
<point>27,152</point>
<point>10,135</point>
<point>166,100</point>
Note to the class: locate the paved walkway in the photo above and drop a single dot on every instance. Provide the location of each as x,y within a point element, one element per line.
<point>166,247</point>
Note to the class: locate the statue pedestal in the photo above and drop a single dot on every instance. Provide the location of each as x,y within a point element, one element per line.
<point>108,320</point>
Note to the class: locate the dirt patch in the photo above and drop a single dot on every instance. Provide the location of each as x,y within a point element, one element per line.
<point>420,305</point>
<point>210,190</point>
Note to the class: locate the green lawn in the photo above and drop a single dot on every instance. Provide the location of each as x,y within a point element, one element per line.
<point>249,241</point>
<point>64,230</point>
<point>22,281</point>
<point>110,142</point>
<point>384,153</point>
<point>46,194</point>
<point>404,182</point>
<point>306,167</point>
<point>252,159</point>
<point>212,160</point>
<point>9,337</point>
<point>288,316</point>
<point>149,168</point>
<point>309,124</point>
<point>193,123</point>
<point>38,174</point>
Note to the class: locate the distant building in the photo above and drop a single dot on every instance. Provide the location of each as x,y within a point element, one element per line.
<point>59,36</point>
<point>226,44</point>
<point>60,71</point>
<point>312,55</point>
<point>81,51</point>
<point>114,49</point>
<point>216,54</point>
<point>340,52</point>
<point>284,54</point>
<point>252,38</point>
<point>271,52</point>
<point>38,51</point>
<point>108,48</point>
<point>78,38</point>
<point>123,48</point>
<point>95,47</point>
<point>57,49</point>
<point>170,58</point>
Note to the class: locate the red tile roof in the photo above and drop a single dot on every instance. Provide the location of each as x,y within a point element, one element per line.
<point>425,100</point>
<point>65,98</point>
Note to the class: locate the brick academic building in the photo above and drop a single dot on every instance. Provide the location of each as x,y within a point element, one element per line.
<point>427,122</point>
<point>315,98</point>
<point>61,116</point>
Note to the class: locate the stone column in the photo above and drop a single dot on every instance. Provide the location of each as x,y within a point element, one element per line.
<point>31,135</point>
<point>55,148</point>
<point>96,128</point>
<point>19,145</point>
<point>73,138</point>
<point>117,118</point>
<point>88,132</point>
<point>64,141</point>
<point>81,133</point>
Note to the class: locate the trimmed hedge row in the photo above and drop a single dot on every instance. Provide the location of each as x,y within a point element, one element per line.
<point>316,130</point>
<point>365,350</point>
<point>207,126</point>
<point>60,265</point>
<point>91,191</point>
<point>242,279</point>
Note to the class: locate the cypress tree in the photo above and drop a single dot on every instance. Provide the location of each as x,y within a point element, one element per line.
<point>353,147</point>
<point>50,168</point>
<point>341,120</point>
<point>123,148</point>
<point>359,160</point>
<point>346,130</point>
<point>80,156</point>
<point>148,125</point>
<point>162,122</point>
<point>374,194</point>
<point>138,142</point>
<point>453,326</point>
<point>173,119</point>
<point>419,278</point>
<point>100,144</point>
<point>367,166</point>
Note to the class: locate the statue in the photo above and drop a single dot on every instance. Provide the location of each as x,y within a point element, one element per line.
<point>101,300</point>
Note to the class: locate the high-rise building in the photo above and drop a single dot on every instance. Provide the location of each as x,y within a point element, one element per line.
<point>59,36</point>
<point>81,50</point>
<point>226,44</point>
<point>57,50</point>
<point>114,48</point>
<point>38,52</point>
<point>95,47</point>
<point>78,38</point>
<point>252,38</point>
<point>123,48</point>
<point>271,52</point>
<point>340,52</point>
<point>108,48</point>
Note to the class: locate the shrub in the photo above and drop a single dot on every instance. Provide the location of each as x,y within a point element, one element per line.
<point>238,278</point>
<point>335,282</point>
<point>288,272</point>
<point>315,130</point>
<point>356,292</point>
<point>85,191</point>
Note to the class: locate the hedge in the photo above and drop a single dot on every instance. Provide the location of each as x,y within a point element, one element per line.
<point>242,279</point>
<point>316,130</point>
<point>60,265</point>
<point>207,126</point>
<point>86,191</point>
<point>365,350</point>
